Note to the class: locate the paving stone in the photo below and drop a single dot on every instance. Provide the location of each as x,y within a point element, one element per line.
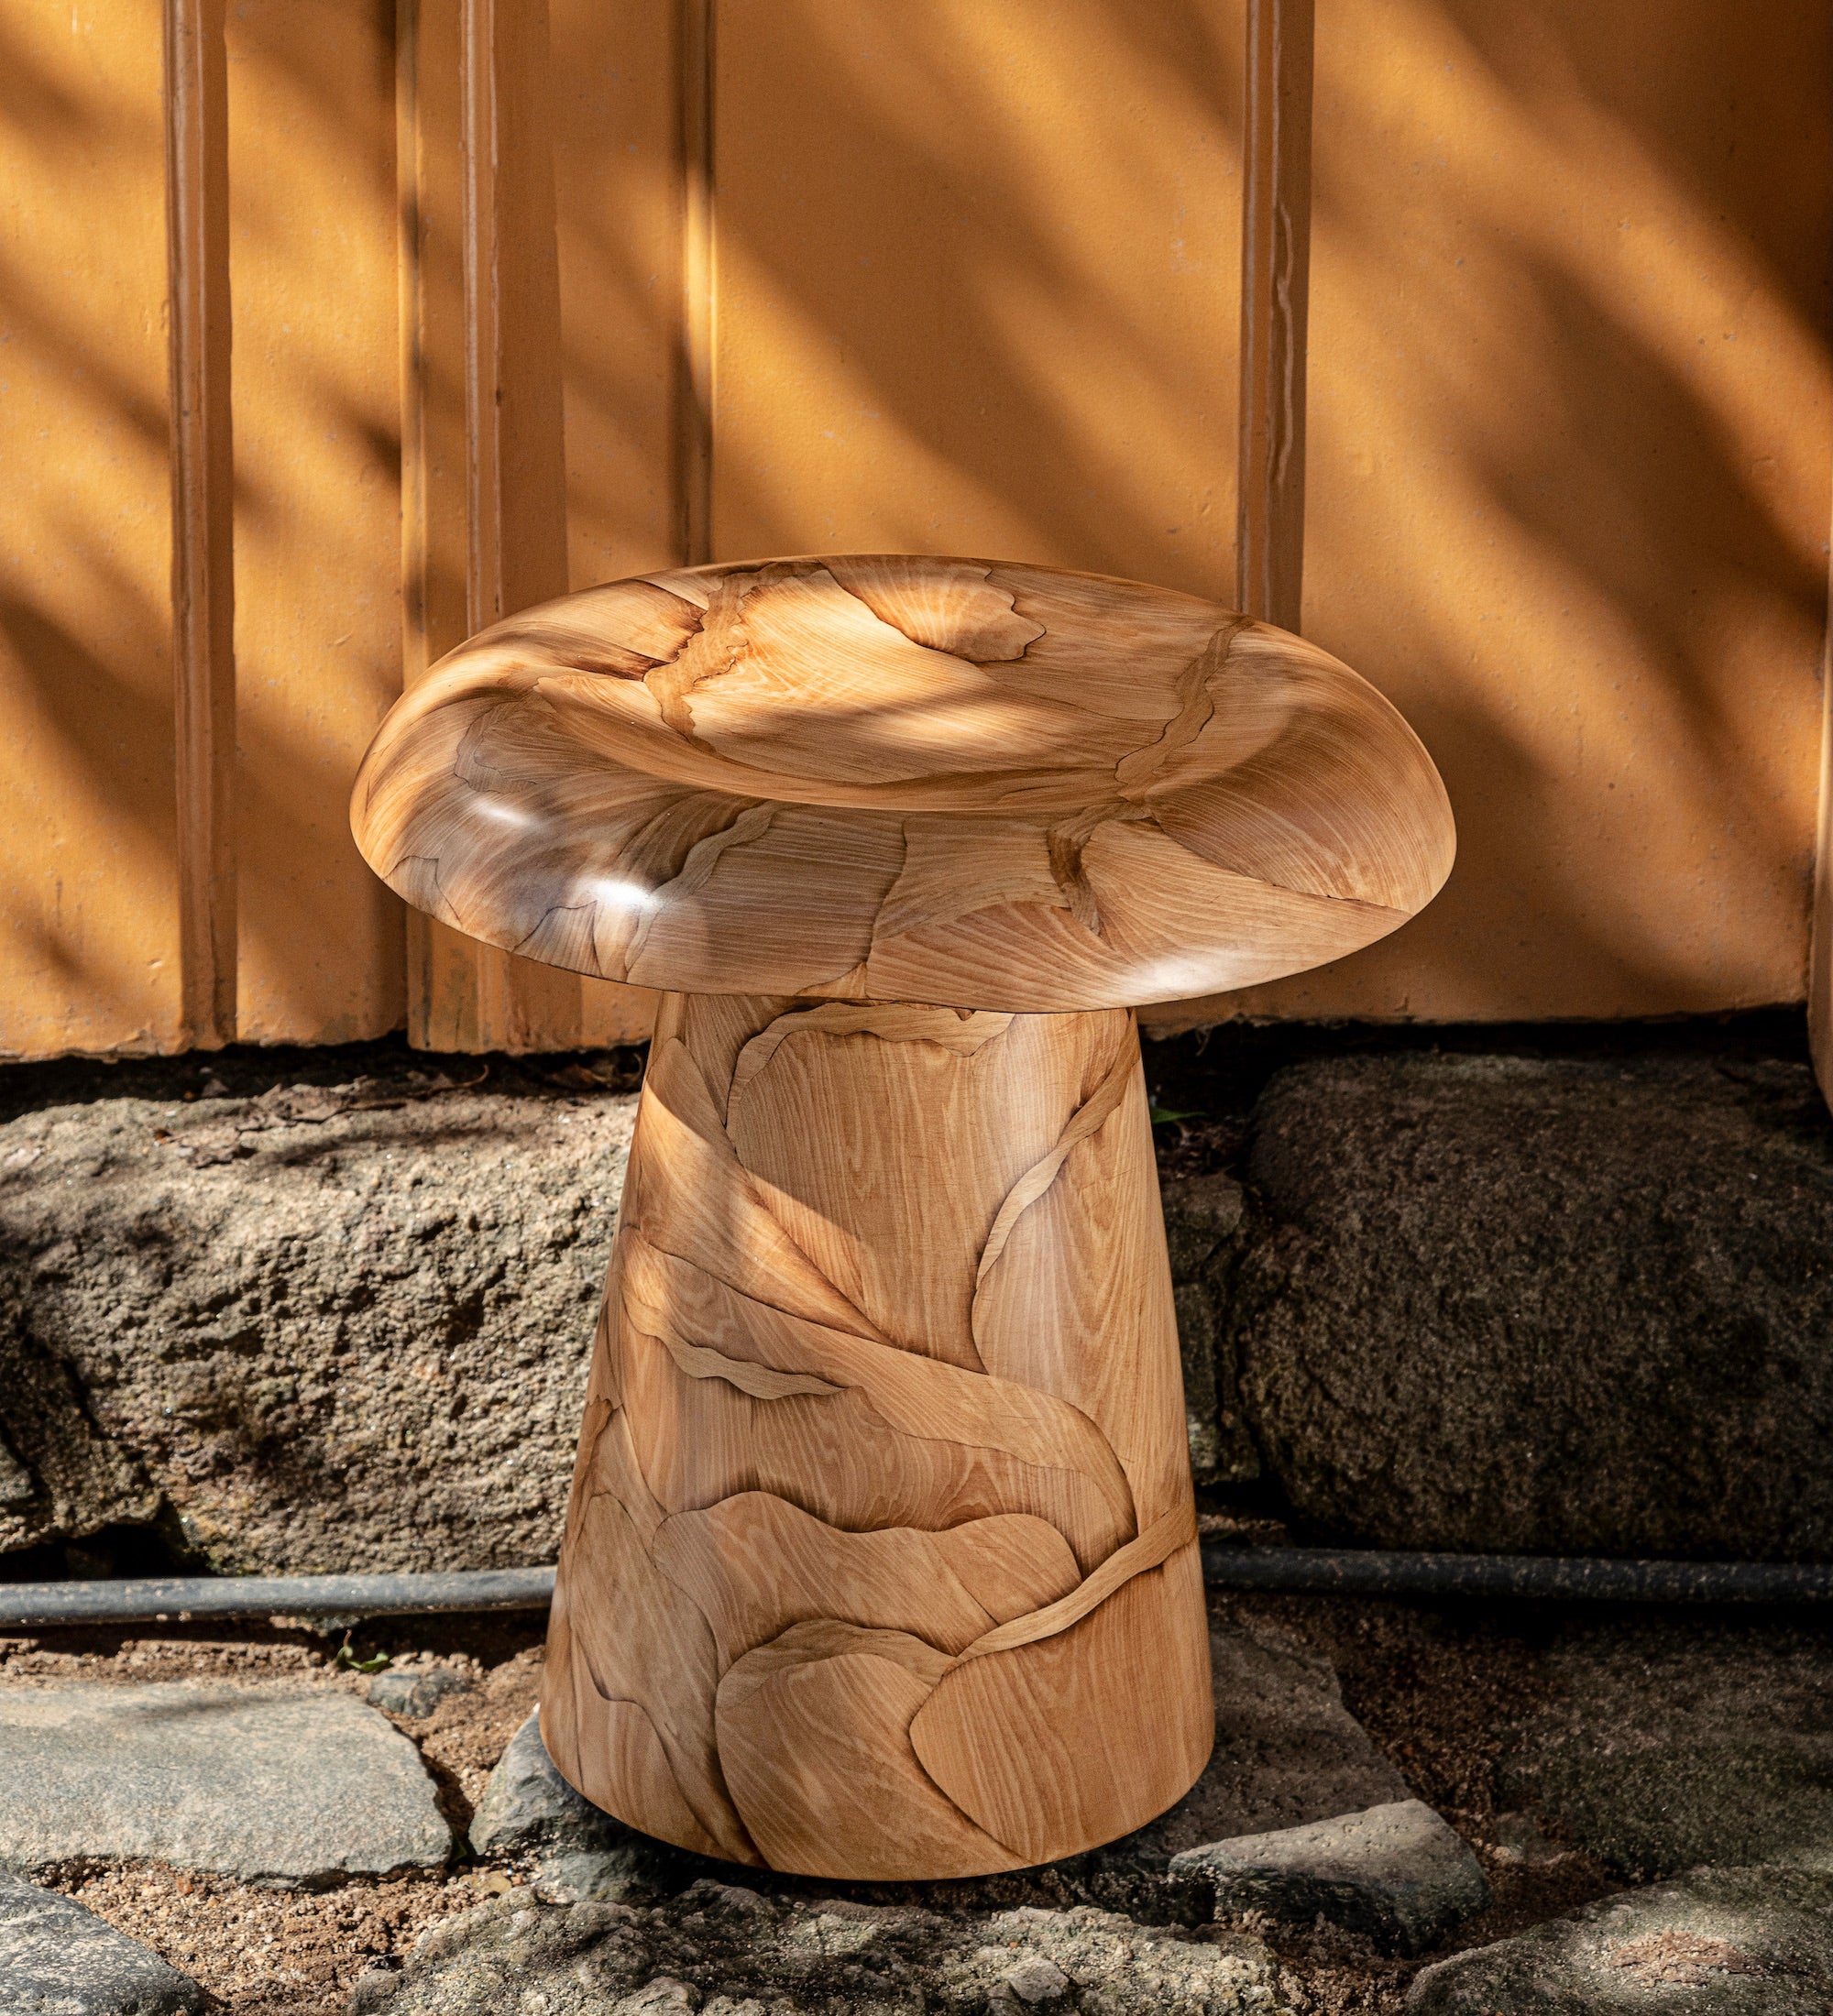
<point>1670,1747</point>
<point>1396,1874</point>
<point>57,1960</point>
<point>416,1691</point>
<point>1287,1751</point>
<point>718,1947</point>
<point>1716,1942</point>
<point>268,1784</point>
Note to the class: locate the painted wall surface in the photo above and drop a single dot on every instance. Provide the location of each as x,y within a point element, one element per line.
<point>973,288</point>
<point>88,888</point>
<point>312,274</point>
<point>977,280</point>
<point>1568,484</point>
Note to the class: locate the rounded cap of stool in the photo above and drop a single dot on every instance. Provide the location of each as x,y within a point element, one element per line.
<point>884,777</point>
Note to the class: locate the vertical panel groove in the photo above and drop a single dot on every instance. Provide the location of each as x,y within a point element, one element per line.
<point>695,391</point>
<point>1820,941</point>
<point>1275,288</point>
<point>203,473</point>
<point>415,561</point>
<point>480,158</point>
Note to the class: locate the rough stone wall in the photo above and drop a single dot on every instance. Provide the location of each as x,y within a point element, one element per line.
<point>1539,1305</point>
<point>327,1330</point>
<point>1498,1302</point>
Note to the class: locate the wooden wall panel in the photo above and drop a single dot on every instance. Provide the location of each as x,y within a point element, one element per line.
<point>484,462</point>
<point>616,144</point>
<point>317,583</point>
<point>728,277</point>
<point>1568,478</point>
<point>977,279</point>
<point>89,959</point>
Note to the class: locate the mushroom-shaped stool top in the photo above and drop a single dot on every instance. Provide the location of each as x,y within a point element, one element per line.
<point>884,777</point>
<point>881,1558</point>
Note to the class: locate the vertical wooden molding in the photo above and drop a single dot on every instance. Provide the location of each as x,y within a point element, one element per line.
<point>202,475</point>
<point>479,186</point>
<point>1275,288</point>
<point>483,461</point>
<point>695,392</point>
<point>1821,942</point>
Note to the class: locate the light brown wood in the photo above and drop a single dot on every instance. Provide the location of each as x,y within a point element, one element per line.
<point>892,778</point>
<point>882,1560</point>
<point>884,1460</point>
<point>202,482</point>
<point>1276,229</point>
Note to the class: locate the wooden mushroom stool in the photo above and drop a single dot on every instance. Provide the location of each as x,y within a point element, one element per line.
<point>882,1560</point>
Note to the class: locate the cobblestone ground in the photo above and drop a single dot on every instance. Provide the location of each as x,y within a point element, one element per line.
<point>1436,1693</point>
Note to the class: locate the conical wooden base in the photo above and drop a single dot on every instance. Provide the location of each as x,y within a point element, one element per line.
<point>881,1560</point>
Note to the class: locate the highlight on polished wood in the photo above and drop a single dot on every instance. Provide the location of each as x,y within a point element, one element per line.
<point>881,1560</point>
<point>880,777</point>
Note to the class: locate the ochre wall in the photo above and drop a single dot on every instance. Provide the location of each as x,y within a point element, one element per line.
<point>1567,495</point>
<point>87,880</point>
<point>975,289</point>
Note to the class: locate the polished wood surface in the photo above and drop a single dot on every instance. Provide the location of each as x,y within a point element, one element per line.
<point>899,778</point>
<point>881,1560</point>
<point>882,1557</point>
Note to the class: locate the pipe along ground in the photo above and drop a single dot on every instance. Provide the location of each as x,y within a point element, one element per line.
<point>338,1601</point>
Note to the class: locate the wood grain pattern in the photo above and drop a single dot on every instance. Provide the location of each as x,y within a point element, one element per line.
<point>885,1389</point>
<point>882,1557</point>
<point>893,778</point>
<point>1275,231</point>
<point>202,482</point>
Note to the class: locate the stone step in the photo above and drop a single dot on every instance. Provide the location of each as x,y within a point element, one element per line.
<point>274,1784</point>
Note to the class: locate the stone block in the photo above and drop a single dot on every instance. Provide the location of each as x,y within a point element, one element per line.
<point>1396,1874</point>
<point>268,1784</point>
<point>1542,1305</point>
<point>328,1329</point>
<point>57,1960</point>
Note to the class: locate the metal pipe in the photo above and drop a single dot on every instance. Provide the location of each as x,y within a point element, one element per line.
<point>1356,1572</point>
<point>324,1598</point>
<point>1290,1571</point>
